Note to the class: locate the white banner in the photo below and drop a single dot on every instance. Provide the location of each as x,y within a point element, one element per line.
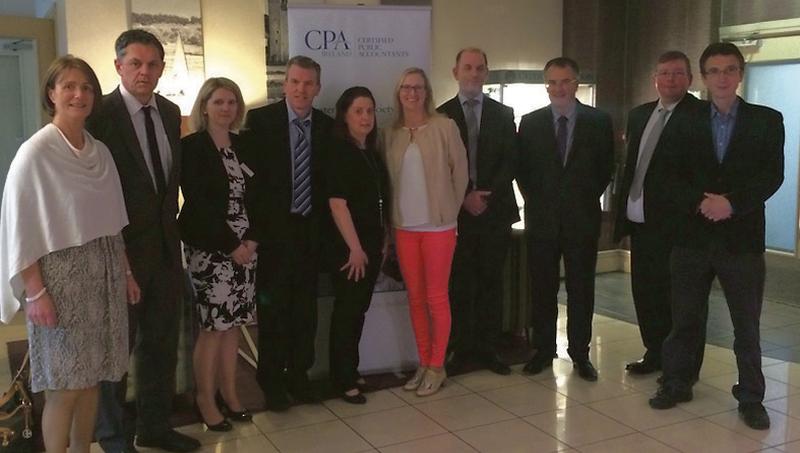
<point>361,45</point>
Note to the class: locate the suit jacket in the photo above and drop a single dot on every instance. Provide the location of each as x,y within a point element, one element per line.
<point>496,159</point>
<point>152,233</point>
<point>206,192</point>
<point>564,200</point>
<point>750,173</point>
<point>658,211</point>
<point>267,131</point>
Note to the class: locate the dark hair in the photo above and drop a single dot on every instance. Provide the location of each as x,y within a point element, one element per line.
<point>472,49</point>
<point>672,55</point>
<point>343,105</point>
<point>305,63</point>
<point>721,48</point>
<point>54,72</point>
<point>564,62</point>
<point>137,36</point>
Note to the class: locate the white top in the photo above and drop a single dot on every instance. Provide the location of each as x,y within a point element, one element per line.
<point>635,208</point>
<point>413,197</point>
<point>54,198</point>
<point>137,117</point>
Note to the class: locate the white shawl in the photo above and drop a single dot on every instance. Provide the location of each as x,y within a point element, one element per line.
<point>54,200</point>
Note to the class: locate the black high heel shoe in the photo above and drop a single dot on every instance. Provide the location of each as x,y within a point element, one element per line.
<point>222,426</point>
<point>358,398</point>
<point>238,417</point>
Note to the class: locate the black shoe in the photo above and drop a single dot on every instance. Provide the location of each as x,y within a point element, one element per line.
<point>668,397</point>
<point>693,381</point>
<point>455,366</point>
<point>754,415</point>
<point>276,402</point>
<point>538,363</point>
<point>239,417</point>
<point>494,365</point>
<point>643,366</point>
<point>358,398</point>
<point>169,441</point>
<point>222,426</point>
<point>585,370</point>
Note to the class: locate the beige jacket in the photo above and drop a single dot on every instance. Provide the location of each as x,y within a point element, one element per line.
<point>444,160</point>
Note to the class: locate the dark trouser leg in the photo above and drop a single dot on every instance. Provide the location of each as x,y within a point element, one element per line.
<point>650,284</point>
<point>742,279</point>
<point>488,312</point>
<point>692,275</point>
<point>273,315</point>
<point>543,262</point>
<point>156,351</point>
<point>347,323</point>
<point>463,290</point>
<point>116,425</point>
<point>580,261</point>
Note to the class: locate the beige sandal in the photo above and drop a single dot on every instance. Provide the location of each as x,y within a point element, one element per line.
<point>416,380</point>
<point>431,382</point>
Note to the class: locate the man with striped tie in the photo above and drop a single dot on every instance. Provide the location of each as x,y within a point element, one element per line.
<point>288,140</point>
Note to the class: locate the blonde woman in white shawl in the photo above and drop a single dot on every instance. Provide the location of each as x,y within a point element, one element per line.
<point>64,258</point>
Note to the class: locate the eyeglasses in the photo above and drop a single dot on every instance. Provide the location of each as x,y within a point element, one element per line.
<point>559,83</point>
<point>416,88</point>
<point>716,72</point>
<point>668,74</point>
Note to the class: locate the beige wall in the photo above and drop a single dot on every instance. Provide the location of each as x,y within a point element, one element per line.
<point>233,33</point>
<point>516,34</point>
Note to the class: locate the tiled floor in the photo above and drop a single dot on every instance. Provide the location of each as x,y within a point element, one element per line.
<point>552,411</point>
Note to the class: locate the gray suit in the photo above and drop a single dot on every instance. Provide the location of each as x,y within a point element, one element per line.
<point>153,245</point>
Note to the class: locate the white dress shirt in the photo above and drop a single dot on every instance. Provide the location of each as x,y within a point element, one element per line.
<point>137,117</point>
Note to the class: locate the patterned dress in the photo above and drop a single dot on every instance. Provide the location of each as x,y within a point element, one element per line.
<point>225,291</point>
<point>89,343</point>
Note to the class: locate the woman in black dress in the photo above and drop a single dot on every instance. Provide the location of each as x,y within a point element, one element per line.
<point>357,197</point>
<point>219,234</point>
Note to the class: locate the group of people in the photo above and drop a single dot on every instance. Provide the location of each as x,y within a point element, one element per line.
<point>90,222</point>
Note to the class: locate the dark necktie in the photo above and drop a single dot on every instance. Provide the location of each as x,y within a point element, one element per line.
<point>473,129</point>
<point>561,139</point>
<point>155,155</point>
<point>646,154</point>
<point>301,183</point>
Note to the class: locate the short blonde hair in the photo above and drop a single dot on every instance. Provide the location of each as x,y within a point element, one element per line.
<point>198,120</point>
<point>398,107</point>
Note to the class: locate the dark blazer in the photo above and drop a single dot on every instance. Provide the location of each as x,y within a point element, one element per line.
<point>153,225</point>
<point>750,173</point>
<point>268,136</point>
<point>496,160</point>
<point>659,212</point>
<point>564,200</point>
<point>206,192</point>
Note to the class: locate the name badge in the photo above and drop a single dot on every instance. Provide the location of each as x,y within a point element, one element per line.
<point>247,170</point>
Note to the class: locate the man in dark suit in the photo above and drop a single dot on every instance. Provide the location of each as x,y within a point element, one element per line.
<point>484,223</point>
<point>289,140</point>
<point>142,131</point>
<point>720,184</point>
<point>566,153</point>
<point>644,211</point>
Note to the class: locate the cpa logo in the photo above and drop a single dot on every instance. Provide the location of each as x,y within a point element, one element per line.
<point>326,40</point>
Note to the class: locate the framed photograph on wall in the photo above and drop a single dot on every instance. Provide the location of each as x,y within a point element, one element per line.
<point>179,26</point>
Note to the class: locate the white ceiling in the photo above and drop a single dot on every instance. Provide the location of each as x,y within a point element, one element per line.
<point>26,8</point>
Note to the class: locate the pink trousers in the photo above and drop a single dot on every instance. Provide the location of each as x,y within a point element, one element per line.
<point>425,259</point>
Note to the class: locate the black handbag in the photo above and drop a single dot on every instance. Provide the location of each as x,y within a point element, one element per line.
<point>16,416</point>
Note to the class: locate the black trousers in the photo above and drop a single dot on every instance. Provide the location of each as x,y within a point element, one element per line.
<point>476,290</point>
<point>347,321</point>
<point>742,279</point>
<point>153,338</point>
<point>287,310</point>
<point>651,285</point>
<point>580,260</point>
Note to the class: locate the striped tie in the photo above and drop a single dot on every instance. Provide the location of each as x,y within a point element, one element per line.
<point>301,184</point>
